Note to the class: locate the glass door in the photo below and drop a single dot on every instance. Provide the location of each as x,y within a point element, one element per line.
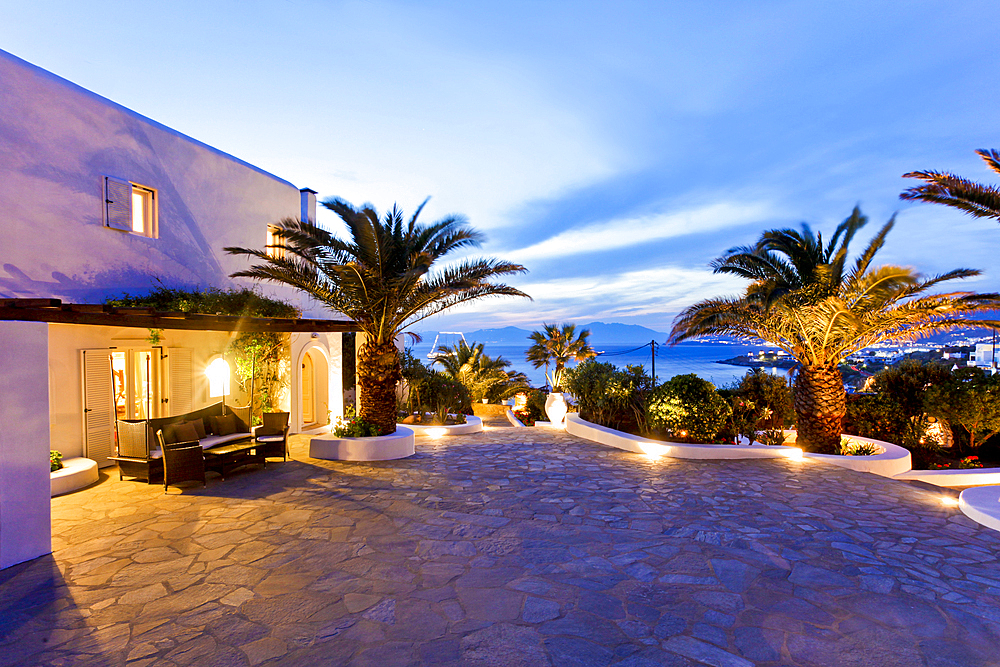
<point>136,383</point>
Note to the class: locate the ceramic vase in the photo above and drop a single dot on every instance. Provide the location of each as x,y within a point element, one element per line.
<point>555,408</point>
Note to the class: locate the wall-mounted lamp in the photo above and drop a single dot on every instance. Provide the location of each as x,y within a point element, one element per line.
<point>218,377</point>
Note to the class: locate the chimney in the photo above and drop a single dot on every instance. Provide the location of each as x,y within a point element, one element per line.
<point>308,205</point>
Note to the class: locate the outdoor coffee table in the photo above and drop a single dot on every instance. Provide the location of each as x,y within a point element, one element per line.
<point>226,458</point>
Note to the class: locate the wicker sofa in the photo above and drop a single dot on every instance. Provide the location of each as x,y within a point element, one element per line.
<point>138,453</point>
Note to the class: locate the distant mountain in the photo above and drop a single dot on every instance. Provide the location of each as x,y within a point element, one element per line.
<point>601,333</point>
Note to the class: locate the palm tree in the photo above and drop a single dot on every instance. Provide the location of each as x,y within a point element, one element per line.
<point>380,277</point>
<point>804,298</point>
<point>556,345</point>
<point>980,201</point>
<point>482,375</point>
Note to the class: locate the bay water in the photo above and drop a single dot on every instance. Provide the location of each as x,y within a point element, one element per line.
<point>700,358</point>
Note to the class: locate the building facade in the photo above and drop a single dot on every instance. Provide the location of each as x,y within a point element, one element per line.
<point>96,201</point>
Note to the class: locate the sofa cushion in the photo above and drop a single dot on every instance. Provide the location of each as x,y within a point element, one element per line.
<point>199,426</point>
<point>214,440</point>
<point>168,433</point>
<point>225,425</point>
<point>185,432</point>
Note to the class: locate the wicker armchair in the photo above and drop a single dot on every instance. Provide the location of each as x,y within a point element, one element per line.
<point>132,451</point>
<point>272,434</point>
<point>182,462</point>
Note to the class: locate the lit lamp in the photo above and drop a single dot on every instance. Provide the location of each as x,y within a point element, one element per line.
<point>218,377</point>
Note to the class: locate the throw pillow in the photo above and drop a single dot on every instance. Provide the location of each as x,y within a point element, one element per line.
<point>185,432</point>
<point>199,426</point>
<point>168,434</point>
<point>225,425</point>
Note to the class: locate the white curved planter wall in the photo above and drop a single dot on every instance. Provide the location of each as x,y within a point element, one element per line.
<point>514,421</point>
<point>892,460</point>
<point>471,425</point>
<point>971,477</point>
<point>398,445</point>
<point>982,504</point>
<point>76,473</point>
<point>579,427</point>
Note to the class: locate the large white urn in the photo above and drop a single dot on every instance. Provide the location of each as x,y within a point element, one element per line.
<point>555,408</point>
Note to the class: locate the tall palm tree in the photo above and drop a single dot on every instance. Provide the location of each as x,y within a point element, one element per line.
<point>556,345</point>
<point>805,298</point>
<point>980,201</point>
<point>482,375</point>
<point>381,277</point>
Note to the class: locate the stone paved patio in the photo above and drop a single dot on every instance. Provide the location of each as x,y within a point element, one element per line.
<point>511,547</point>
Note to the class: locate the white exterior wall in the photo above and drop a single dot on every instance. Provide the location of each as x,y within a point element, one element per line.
<point>984,355</point>
<point>58,141</point>
<point>25,509</point>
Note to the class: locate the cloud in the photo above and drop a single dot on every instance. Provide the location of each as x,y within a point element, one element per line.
<point>632,231</point>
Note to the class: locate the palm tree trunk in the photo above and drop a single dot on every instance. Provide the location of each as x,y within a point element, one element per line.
<point>820,405</point>
<point>378,373</point>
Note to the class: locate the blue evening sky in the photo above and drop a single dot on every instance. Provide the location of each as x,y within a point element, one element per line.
<point>614,148</point>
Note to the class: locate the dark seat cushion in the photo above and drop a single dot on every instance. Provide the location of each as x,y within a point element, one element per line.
<point>168,433</point>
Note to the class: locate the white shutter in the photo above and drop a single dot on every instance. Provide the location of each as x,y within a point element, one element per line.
<point>117,204</point>
<point>98,406</point>
<point>179,395</point>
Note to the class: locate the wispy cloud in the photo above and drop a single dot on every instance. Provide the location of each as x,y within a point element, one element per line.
<point>626,232</point>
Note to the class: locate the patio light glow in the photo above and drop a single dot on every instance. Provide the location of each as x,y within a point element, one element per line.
<point>436,432</point>
<point>653,451</point>
<point>949,501</point>
<point>218,377</point>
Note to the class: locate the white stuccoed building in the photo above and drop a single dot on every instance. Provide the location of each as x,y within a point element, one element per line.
<point>97,200</point>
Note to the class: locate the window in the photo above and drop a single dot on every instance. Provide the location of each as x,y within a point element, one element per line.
<point>275,245</point>
<point>129,207</point>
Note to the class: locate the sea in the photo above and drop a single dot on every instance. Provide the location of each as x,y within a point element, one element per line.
<point>701,358</point>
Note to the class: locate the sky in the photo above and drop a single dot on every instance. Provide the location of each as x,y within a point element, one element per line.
<point>613,148</point>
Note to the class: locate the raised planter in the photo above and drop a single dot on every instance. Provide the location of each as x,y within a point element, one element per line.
<point>488,409</point>
<point>397,445</point>
<point>982,504</point>
<point>471,425</point>
<point>75,474</point>
<point>575,425</point>
<point>954,477</point>
<point>891,461</point>
<point>514,421</point>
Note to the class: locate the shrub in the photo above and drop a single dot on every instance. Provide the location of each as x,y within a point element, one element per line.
<point>771,396</point>
<point>686,408</point>
<point>535,406</point>
<point>355,427</point>
<point>611,397</point>
<point>850,447</point>
<point>970,399</point>
<point>55,460</point>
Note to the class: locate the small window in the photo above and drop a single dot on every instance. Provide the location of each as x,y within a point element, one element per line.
<point>275,244</point>
<point>130,207</point>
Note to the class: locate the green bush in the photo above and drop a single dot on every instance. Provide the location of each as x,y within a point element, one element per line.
<point>686,408</point>
<point>535,405</point>
<point>611,397</point>
<point>969,399</point>
<point>55,460</point>
<point>355,427</point>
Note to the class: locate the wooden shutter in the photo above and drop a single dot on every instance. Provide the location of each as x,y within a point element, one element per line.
<point>117,204</point>
<point>180,390</point>
<point>98,406</point>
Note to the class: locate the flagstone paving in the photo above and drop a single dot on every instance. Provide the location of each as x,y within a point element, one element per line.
<point>511,547</point>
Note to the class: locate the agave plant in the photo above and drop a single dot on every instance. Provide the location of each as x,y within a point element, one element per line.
<point>557,345</point>
<point>980,201</point>
<point>806,299</point>
<point>382,277</point>
<point>484,376</point>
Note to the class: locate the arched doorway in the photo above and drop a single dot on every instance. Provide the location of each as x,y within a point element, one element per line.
<point>312,389</point>
<point>308,391</point>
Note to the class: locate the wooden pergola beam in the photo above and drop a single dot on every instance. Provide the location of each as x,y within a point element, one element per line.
<point>54,311</point>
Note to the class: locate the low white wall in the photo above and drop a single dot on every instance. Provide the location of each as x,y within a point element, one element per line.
<point>972,477</point>
<point>891,461</point>
<point>25,509</point>
<point>75,474</point>
<point>471,425</point>
<point>575,425</point>
<point>982,504</point>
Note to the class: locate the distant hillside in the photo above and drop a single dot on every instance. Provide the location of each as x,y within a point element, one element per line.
<point>601,333</point>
